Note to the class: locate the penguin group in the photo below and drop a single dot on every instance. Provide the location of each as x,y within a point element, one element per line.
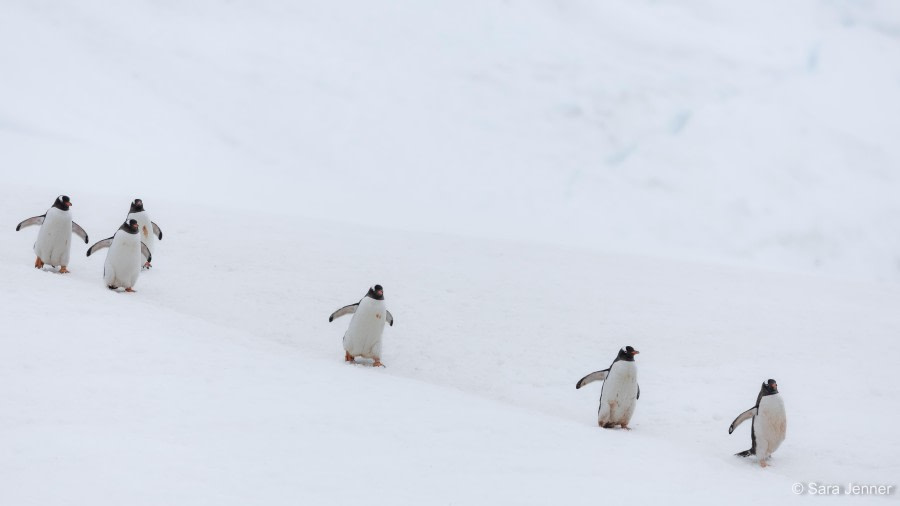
<point>130,248</point>
<point>620,393</point>
<point>131,251</point>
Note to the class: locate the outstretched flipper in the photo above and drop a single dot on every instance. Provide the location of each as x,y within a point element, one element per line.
<point>343,311</point>
<point>77,230</point>
<point>99,245</point>
<point>741,418</point>
<point>37,220</point>
<point>390,318</point>
<point>146,252</point>
<point>156,231</point>
<point>592,377</point>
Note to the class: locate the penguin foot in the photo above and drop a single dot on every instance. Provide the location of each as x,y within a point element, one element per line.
<point>377,363</point>
<point>625,427</point>
<point>763,463</point>
<point>63,270</point>
<point>348,357</point>
<point>607,425</point>
<point>130,290</point>
<point>38,263</point>
<point>146,266</point>
<point>111,287</point>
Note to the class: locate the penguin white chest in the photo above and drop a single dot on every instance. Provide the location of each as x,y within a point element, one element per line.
<point>363,336</point>
<point>619,394</point>
<point>54,239</point>
<point>769,425</point>
<point>123,261</point>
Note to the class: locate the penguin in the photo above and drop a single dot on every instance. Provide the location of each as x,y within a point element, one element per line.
<point>150,231</point>
<point>363,336</point>
<point>53,242</point>
<point>769,423</point>
<point>123,261</point>
<point>620,390</point>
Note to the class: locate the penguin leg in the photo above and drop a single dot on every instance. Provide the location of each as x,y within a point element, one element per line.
<point>38,263</point>
<point>63,270</point>
<point>347,356</point>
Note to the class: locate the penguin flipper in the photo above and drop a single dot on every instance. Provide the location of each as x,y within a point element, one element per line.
<point>343,311</point>
<point>99,245</point>
<point>390,318</point>
<point>146,252</point>
<point>592,377</point>
<point>77,230</point>
<point>156,231</point>
<point>741,418</point>
<point>639,392</point>
<point>37,220</point>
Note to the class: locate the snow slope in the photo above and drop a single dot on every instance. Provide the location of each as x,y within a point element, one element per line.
<point>536,184</point>
<point>757,133</point>
<point>222,382</point>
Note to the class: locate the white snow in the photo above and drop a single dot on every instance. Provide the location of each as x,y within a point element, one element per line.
<point>535,184</point>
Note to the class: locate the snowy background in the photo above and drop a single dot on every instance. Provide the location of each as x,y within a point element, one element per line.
<point>535,183</point>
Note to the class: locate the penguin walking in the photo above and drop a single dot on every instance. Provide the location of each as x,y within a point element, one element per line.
<point>620,390</point>
<point>769,424</point>
<point>53,243</point>
<point>123,260</point>
<point>363,336</point>
<point>150,231</point>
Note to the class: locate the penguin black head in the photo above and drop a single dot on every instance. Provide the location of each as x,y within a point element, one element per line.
<point>627,354</point>
<point>130,226</point>
<point>770,387</point>
<point>376,292</point>
<point>62,202</point>
<point>137,206</point>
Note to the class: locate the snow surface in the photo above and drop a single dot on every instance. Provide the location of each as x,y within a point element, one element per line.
<point>536,184</point>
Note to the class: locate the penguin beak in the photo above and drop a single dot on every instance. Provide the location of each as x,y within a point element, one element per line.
<point>635,352</point>
<point>69,204</point>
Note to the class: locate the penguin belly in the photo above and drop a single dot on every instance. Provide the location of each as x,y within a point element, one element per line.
<point>769,426</point>
<point>123,261</point>
<point>619,395</point>
<point>145,230</point>
<point>54,239</point>
<point>363,336</point>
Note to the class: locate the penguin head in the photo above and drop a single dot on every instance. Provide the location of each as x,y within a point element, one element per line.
<point>62,202</point>
<point>770,387</point>
<point>376,292</point>
<point>627,353</point>
<point>130,226</point>
<point>137,205</point>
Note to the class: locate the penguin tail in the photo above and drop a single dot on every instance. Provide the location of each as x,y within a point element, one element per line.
<point>745,453</point>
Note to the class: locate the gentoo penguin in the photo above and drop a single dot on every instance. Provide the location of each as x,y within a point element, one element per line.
<point>53,246</point>
<point>150,231</point>
<point>363,336</point>
<point>620,390</point>
<point>123,260</point>
<point>769,423</point>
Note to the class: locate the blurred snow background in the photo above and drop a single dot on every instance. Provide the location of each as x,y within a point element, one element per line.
<point>755,133</point>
